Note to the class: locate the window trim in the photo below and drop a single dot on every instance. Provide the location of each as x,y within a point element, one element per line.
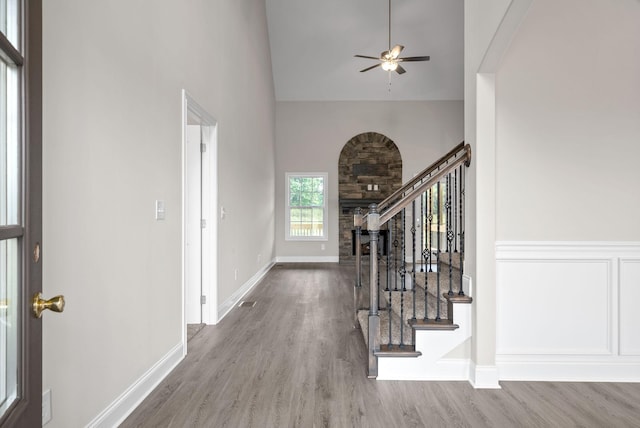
<point>287,212</point>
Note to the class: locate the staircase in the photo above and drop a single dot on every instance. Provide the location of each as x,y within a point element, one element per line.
<point>415,307</point>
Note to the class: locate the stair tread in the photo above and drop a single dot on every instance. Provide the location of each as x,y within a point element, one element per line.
<point>398,351</point>
<point>457,298</point>
<point>431,324</point>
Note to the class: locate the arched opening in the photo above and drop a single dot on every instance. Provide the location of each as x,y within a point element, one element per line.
<point>369,170</point>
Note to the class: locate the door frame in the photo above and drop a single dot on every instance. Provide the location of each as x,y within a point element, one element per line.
<point>193,219</point>
<point>27,410</point>
<point>209,205</point>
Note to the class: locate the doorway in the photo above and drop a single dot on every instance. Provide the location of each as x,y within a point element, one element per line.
<point>199,218</point>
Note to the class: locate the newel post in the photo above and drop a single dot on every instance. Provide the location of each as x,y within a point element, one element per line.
<point>373,225</point>
<point>357,289</point>
<point>357,225</point>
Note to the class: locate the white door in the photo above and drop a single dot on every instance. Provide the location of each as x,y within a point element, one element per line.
<point>193,219</point>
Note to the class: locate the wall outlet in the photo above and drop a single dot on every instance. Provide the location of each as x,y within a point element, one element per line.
<point>323,247</point>
<point>235,274</point>
<point>46,406</point>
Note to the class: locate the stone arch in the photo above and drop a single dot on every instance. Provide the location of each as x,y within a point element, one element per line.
<point>368,159</point>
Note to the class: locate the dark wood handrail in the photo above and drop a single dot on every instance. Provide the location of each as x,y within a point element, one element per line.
<point>419,177</point>
<point>424,186</point>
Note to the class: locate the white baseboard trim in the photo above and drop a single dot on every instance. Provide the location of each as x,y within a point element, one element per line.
<point>576,370</point>
<point>308,259</point>
<point>127,402</point>
<point>483,377</point>
<point>236,297</point>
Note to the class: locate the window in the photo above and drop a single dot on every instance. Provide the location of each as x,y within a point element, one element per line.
<point>306,210</point>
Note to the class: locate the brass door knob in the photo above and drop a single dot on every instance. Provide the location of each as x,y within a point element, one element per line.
<point>38,304</point>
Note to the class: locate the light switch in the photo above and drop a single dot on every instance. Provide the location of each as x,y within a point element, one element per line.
<point>159,210</point>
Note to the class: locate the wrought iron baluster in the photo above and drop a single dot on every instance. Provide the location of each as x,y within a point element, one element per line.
<point>379,258</point>
<point>438,224</point>
<point>462,227</point>
<point>388,244</point>
<point>389,312</point>
<point>413,271</point>
<point>403,273</point>
<point>395,256</point>
<point>403,247</point>
<point>425,251</point>
<point>421,226</point>
<point>456,208</point>
<point>449,233</point>
<point>429,227</point>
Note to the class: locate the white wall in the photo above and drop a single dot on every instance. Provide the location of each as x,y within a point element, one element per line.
<point>310,136</point>
<point>482,19</point>
<point>113,75</point>
<point>567,133</point>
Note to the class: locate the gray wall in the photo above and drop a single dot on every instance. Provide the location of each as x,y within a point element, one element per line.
<point>568,124</point>
<point>310,136</point>
<point>113,75</point>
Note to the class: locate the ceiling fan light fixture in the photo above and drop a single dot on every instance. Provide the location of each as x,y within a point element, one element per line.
<point>390,59</point>
<point>389,65</point>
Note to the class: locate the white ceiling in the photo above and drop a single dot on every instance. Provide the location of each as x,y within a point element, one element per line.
<point>313,43</point>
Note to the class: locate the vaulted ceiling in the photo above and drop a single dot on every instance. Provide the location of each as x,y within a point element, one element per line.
<point>313,43</point>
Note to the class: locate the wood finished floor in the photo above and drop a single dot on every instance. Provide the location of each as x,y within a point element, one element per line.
<point>295,360</point>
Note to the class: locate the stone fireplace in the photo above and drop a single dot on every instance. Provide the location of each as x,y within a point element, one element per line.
<point>369,169</point>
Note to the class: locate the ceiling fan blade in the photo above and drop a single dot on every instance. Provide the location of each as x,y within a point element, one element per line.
<point>400,70</point>
<point>396,51</point>
<point>385,55</point>
<point>365,56</point>
<point>370,68</point>
<point>415,58</point>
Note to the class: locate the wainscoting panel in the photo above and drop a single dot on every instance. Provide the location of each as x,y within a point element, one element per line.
<point>568,311</point>
<point>554,306</point>
<point>629,313</point>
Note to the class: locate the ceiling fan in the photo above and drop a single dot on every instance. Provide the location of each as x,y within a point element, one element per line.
<point>390,59</point>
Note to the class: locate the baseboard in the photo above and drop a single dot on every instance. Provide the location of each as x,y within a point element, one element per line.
<point>308,259</point>
<point>127,402</point>
<point>483,377</point>
<point>236,297</point>
<point>545,369</point>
